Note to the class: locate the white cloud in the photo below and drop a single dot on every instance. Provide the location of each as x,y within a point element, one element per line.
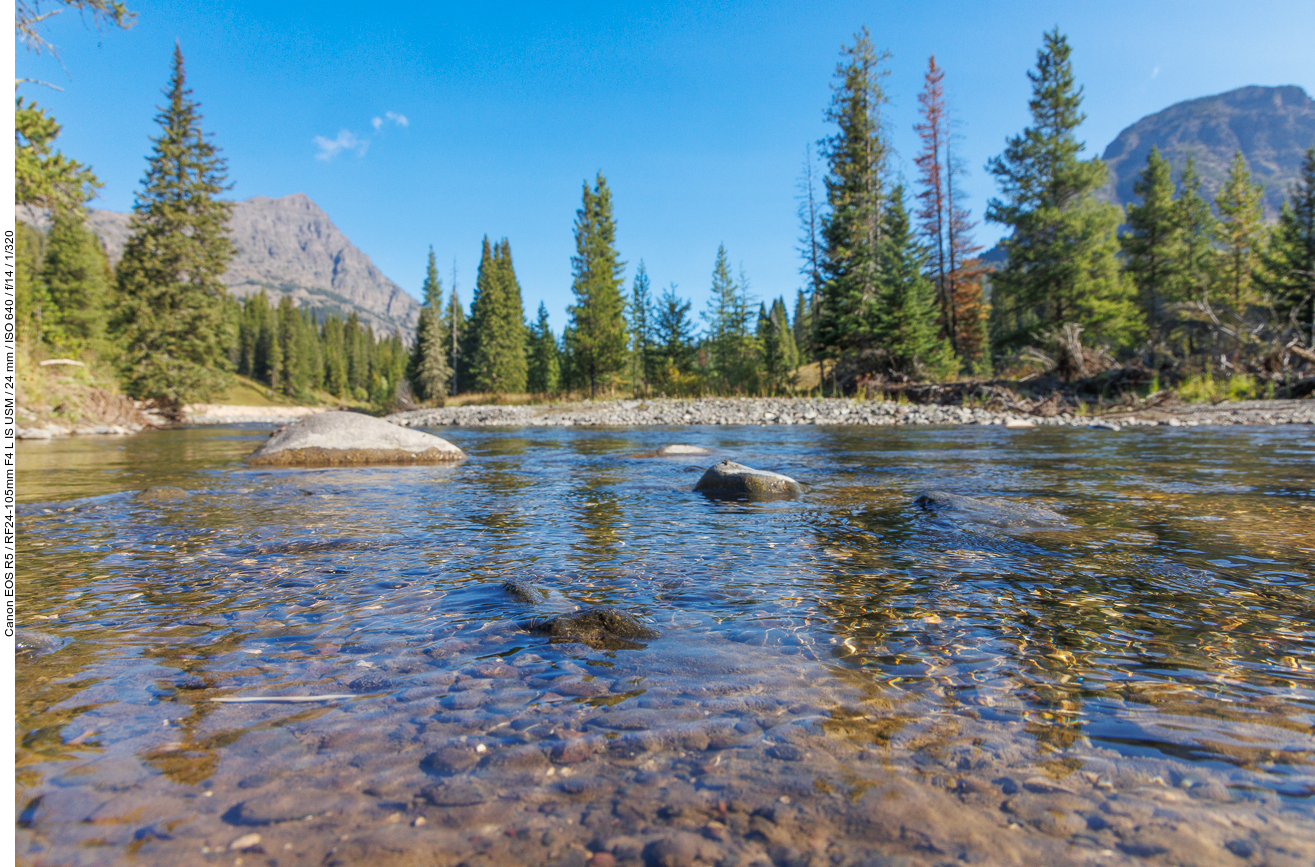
<point>1155,72</point>
<point>399,119</point>
<point>377,122</point>
<point>346,141</point>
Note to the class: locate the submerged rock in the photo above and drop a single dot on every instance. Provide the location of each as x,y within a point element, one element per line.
<point>729,479</point>
<point>160,494</point>
<point>676,449</point>
<point>29,644</point>
<point>350,439</point>
<point>523,591</point>
<point>601,628</point>
<point>991,510</point>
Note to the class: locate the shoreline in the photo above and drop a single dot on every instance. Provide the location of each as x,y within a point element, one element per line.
<point>845,411</point>
<point>762,412</point>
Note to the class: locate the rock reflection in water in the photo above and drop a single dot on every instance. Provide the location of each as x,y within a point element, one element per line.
<point>839,679</point>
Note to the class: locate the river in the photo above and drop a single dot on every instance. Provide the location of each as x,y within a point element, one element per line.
<point>842,678</point>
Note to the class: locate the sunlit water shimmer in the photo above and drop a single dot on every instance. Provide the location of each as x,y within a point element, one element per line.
<point>840,679</point>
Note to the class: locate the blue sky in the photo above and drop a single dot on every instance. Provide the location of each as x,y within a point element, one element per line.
<point>697,113</point>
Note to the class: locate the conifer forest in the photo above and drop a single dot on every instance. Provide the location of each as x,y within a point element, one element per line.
<point>893,288</point>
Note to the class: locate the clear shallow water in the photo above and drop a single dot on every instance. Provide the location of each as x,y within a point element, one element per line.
<point>840,679</point>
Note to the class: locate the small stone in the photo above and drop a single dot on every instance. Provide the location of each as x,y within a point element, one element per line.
<point>246,841</point>
<point>729,479</point>
<point>786,752</point>
<point>602,859</point>
<point>449,760</point>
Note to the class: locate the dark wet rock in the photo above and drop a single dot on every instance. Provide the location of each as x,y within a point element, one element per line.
<point>161,494</point>
<point>450,760</point>
<point>786,753</point>
<point>991,510</point>
<point>523,591</point>
<point>729,479</point>
<point>29,644</point>
<point>679,449</point>
<point>290,804</point>
<point>345,439</point>
<point>455,793</point>
<point>371,683</point>
<point>603,628</point>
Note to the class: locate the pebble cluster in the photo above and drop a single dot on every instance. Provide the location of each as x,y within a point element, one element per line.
<point>834,411</point>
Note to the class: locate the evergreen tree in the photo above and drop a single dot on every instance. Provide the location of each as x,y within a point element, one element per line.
<point>805,303</point>
<point>171,313</point>
<point>497,328</point>
<point>1197,264</point>
<point>729,317</point>
<point>673,338</point>
<point>1062,265</point>
<point>908,329</point>
<point>1289,262</point>
<point>811,250</point>
<point>77,276</point>
<point>32,306</point>
<point>1239,203</point>
<point>43,178</point>
<point>779,357</point>
<point>641,327</point>
<point>597,326</point>
<point>544,365</point>
<point>1152,239</point>
<point>454,327</point>
<point>428,367</point>
<point>855,190</point>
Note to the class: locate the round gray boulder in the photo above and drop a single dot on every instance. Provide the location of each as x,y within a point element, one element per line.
<point>350,439</point>
<point>729,479</point>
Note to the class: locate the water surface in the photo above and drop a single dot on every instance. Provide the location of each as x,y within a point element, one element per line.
<point>840,679</point>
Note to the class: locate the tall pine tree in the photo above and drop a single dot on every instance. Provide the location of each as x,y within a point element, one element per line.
<point>597,328</point>
<point>1063,267</point>
<point>856,157</point>
<point>1241,228</point>
<point>1198,258</point>
<point>641,329</point>
<point>544,365</point>
<point>428,367</point>
<point>77,276</point>
<point>907,329</point>
<point>171,321</point>
<point>497,327</point>
<point>1151,241</point>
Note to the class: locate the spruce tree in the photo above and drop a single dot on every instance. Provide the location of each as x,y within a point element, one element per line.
<point>454,327</point>
<point>44,177</point>
<point>597,319</point>
<point>1289,262</point>
<point>777,348</point>
<point>1241,229</point>
<point>1198,258</point>
<point>170,320</point>
<point>544,366</point>
<point>641,328</point>
<point>804,305</point>
<point>908,328</point>
<point>1151,241</point>
<point>856,158</point>
<point>1063,266</point>
<point>77,276</point>
<point>673,334</point>
<point>729,316</point>
<point>32,306</point>
<point>497,328</point>
<point>428,368</point>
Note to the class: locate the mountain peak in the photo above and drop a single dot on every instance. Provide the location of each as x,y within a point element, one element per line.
<point>1271,126</point>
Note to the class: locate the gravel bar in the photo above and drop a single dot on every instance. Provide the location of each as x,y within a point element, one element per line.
<point>841,411</point>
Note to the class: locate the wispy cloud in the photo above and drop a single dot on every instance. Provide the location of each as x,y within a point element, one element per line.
<point>399,119</point>
<point>351,142</point>
<point>346,141</point>
<point>1155,72</point>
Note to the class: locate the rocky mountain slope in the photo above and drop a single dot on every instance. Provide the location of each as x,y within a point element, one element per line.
<point>1272,126</point>
<point>290,246</point>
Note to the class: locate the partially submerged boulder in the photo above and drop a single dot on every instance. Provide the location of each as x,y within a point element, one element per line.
<point>161,494</point>
<point>729,479</point>
<point>600,628</point>
<point>678,449</point>
<point>991,510</point>
<point>350,439</point>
